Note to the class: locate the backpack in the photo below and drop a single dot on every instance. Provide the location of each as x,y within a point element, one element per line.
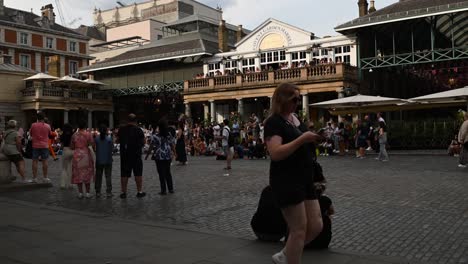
<point>230,138</point>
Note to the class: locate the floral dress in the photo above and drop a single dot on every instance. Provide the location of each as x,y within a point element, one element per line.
<point>82,163</point>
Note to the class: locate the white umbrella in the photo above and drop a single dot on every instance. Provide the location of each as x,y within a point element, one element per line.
<point>93,82</point>
<point>451,96</point>
<point>358,100</point>
<point>68,81</point>
<point>41,77</point>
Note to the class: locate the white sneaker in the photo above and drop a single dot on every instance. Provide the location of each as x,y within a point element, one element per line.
<point>279,258</point>
<point>461,166</point>
<point>80,196</point>
<point>377,159</point>
<point>33,180</point>
<point>88,196</point>
<point>369,149</point>
<point>46,180</point>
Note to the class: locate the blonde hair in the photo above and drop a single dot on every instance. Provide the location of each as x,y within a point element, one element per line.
<point>282,97</point>
<point>12,124</point>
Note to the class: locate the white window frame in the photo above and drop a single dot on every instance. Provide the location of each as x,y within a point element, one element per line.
<point>347,59</point>
<point>28,56</point>
<point>271,57</point>
<point>46,64</point>
<point>20,38</point>
<point>301,56</point>
<point>231,65</point>
<point>248,63</point>
<point>338,50</point>
<point>213,68</point>
<point>70,46</point>
<point>347,49</point>
<point>52,43</point>
<point>70,72</point>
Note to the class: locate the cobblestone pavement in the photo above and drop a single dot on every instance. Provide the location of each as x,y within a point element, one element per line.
<point>415,207</point>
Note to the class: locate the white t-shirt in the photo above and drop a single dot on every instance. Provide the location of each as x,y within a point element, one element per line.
<point>226,132</point>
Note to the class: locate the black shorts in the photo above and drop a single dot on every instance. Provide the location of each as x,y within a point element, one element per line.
<point>127,166</point>
<point>15,158</point>
<point>287,194</point>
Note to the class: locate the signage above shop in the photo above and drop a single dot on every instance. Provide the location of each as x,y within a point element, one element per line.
<point>274,30</point>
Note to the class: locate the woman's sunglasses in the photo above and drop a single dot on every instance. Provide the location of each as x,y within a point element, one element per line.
<point>296,99</point>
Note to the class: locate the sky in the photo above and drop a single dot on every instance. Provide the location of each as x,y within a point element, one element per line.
<point>317,16</point>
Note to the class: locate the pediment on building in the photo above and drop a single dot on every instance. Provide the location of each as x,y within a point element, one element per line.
<point>273,34</point>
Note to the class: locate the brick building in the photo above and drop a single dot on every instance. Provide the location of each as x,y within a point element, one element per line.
<point>38,43</point>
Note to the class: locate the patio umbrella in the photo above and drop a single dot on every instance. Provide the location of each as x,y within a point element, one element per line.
<point>41,77</point>
<point>358,101</point>
<point>93,83</point>
<point>68,81</point>
<point>452,96</point>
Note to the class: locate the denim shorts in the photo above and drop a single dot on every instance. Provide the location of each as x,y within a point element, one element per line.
<point>40,152</point>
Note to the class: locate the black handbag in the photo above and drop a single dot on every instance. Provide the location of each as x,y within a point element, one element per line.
<point>318,172</point>
<point>27,153</point>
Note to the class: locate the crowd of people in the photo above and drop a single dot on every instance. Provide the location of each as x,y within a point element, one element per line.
<point>265,68</point>
<point>292,207</point>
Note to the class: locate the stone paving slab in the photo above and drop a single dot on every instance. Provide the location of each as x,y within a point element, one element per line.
<point>413,207</point>
<point>19,186</point>
<point>93,238</point>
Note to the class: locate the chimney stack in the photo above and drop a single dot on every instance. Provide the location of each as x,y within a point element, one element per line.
<point>363,7</point>
<point>239,33</point>
<point>222,36</point>
<point>372,7</point>
<point>48,11</point>
<point>2,8</point>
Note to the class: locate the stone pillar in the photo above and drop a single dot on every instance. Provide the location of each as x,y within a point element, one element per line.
<point>206,111</point>
<point>111,119</point>
<point>213,110</point>
<point>188,113</point>
<point>305,105</point>
<point>271,100</point>
<point>90,119</point>
<point>240,108</point>
<point>65,116</point>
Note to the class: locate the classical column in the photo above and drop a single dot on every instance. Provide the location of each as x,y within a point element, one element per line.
<point>213,110</point>
<point>240,108</point>
<point>188,113</point>
<point>111,119</point>
<point>90,119</point>
<point>65,116</point>
<point>206,111</point>
<point>305,105</point>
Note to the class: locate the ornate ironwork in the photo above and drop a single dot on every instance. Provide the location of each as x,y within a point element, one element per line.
<point>414,58</point>
<point>173,87</point>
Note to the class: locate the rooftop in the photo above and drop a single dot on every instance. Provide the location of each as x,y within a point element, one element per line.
<point>405,10</point>
<point>91,32</point>
<point>27,20</point>
<point>186,45</point>
<point>8,67</point>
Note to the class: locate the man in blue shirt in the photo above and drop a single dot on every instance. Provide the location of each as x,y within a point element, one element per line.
<point>104,148</point>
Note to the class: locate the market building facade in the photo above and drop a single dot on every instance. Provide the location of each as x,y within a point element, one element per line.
<point>243,79</point>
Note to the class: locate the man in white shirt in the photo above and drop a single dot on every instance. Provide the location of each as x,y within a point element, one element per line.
<point>380,118</point>
<point>225,143</point>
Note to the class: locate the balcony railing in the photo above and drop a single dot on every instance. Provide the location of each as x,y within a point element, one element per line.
<point>60,94</point>
<point>319,73</point>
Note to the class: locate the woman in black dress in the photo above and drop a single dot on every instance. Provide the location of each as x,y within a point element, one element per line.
<point>292,151</point>
<point>181,154</point>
